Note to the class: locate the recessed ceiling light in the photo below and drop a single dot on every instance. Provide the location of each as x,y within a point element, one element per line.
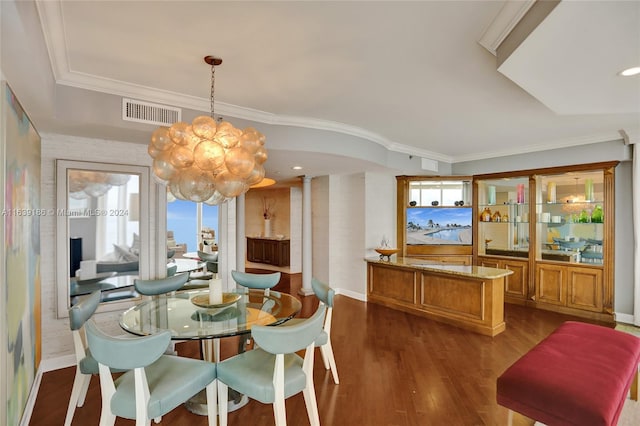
<point>297,167</point>
<point>630,71</point>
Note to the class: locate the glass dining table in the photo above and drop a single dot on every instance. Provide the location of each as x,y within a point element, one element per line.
<point>189,316</point>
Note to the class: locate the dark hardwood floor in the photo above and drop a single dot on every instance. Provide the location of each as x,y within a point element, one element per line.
<point>395,369</point>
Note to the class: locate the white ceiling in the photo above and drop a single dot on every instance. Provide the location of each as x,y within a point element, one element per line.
<point>409,76</point>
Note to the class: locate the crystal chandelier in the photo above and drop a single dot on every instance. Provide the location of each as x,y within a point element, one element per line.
<point>208,161</point>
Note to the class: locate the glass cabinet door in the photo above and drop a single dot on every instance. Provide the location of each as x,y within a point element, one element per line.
<point>570,217</point>
<point>503,222</point>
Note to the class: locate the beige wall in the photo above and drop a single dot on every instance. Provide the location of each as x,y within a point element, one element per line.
<point>280,200</point>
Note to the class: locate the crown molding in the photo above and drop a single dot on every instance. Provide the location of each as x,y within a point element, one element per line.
<point>508,17</point>
<point>630,137</point>
<point>557,144</point>
<point>50,13</point>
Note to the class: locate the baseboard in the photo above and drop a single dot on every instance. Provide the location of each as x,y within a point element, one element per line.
<point>352,294</point>
<point>33,396</point>
<point>58,363</point>
<point>624,318</point>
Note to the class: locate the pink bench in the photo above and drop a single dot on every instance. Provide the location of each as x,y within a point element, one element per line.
<point>579,375</point>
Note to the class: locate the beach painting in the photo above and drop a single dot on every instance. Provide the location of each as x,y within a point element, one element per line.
<point>439,225</point>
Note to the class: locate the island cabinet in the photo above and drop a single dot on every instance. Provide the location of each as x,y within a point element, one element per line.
<point>270,251</point>
<point>470,297</point>
<point>554,228</point>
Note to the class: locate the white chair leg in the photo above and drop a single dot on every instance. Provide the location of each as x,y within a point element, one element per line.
<point>212,402</point>
<point>280,412</point>
<point>223,402</point>
<point>107,418</point>
<point>510,418</point>
<point>78,394</point>
<point>84,389</point>
<point>310,402</point>
<point>327,350</point>
<point>324,356</point>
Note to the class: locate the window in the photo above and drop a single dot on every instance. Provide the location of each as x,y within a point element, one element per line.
<point>444,193</point>
<point>186,218</point>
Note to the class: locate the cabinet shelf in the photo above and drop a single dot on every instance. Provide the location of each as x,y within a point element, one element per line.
<point>503,205</point>
<point>573,203</point>
<point>505,222</point>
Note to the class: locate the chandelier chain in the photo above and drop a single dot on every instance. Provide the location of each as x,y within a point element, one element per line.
<point>213,90</point>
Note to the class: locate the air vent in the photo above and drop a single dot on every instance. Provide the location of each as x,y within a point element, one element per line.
<point>146,112</point>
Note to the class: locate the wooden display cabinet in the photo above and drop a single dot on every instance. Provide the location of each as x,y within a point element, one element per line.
<point>558,238</point>
<point>502,226</point>
<point>417,197</point>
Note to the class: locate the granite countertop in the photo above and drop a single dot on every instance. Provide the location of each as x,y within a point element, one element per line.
<point>258,237</point>
<point>481,272</point>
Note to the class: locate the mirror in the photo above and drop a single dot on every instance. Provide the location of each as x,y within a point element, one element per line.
<point>102,232</point>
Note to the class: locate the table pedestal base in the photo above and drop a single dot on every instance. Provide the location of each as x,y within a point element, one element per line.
<point>198,404</point>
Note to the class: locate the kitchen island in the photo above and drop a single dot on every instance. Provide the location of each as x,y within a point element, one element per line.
<point>470,297</point>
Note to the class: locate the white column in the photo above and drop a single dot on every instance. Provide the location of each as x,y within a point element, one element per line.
<point>241,245</point>
<point>227,242</point>
<point>307,264</point>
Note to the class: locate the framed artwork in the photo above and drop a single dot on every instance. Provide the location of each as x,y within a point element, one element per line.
<point>20,305</point>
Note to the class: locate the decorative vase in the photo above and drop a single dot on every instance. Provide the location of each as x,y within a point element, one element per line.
<point>491,195</point>
<point>485,215</point>
<point>597,216</point>
<point>584,217</point>
<point>267,227</point>
<point>588,190</point>
<point>551,192</point>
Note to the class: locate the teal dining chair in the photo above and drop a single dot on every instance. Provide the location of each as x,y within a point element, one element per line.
<point>210,259</point>
<point>325,294</point>
<point>256,281</point>
<point>86,365</point>
<point>155,383</point>
<point>274,371</point>
<point>171,270</point>
<point>263,282</point>
<point>154,287</point>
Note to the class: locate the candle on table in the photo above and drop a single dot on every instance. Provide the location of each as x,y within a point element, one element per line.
<point>215,291</point>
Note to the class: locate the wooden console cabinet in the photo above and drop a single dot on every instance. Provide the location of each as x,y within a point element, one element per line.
<point>268,250</point>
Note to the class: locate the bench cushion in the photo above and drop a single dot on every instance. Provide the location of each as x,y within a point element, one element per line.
<point>578,375</point>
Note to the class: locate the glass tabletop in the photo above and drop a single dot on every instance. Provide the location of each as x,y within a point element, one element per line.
<point>186,265</point>
<point>106,281</point>
<point>187,320</point>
